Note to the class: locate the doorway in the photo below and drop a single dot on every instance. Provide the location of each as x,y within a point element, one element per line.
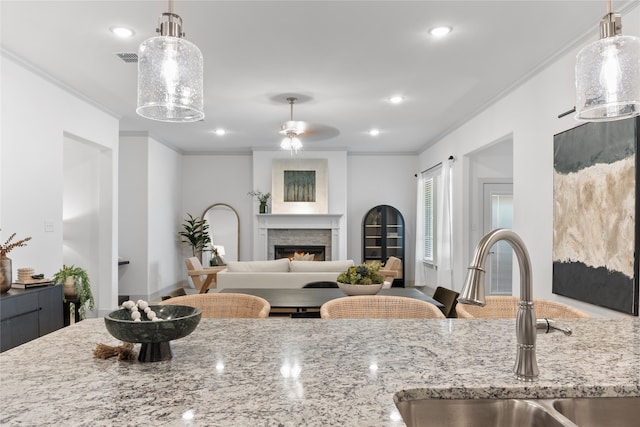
<point>86,213</point>
<point>498,213</point>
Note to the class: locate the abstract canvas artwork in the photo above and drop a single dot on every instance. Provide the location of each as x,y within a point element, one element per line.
<point>595,235</point>
<point>299,186</point>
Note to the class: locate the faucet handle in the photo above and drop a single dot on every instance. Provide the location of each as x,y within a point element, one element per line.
<point>549,325</point>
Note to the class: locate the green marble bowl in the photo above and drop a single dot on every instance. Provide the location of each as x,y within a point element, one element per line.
<point>178,321</point>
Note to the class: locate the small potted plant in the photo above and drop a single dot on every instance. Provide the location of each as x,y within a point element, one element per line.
<point>261,197</point>
<point>363,279</point>
<point>6,270</point>
<point>195,233</point>
<point>75,281</point>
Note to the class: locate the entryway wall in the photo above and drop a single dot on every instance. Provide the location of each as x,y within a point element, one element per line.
<point>37,115</point>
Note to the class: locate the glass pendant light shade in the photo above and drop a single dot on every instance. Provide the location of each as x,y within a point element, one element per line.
<point>285,144</point>
<point>608,75</point>
<point>170,76</point>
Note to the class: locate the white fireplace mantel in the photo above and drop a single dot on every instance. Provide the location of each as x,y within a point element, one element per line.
<point>333,222</point>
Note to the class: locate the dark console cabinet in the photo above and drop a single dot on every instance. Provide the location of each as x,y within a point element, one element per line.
<point>26,314</point>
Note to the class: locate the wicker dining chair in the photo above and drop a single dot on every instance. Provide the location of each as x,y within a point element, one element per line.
<point>506,307</point>
<point>379,307</point>
<point>224,306</point>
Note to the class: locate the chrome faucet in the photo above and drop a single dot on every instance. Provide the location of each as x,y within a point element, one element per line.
<point>526,366</point>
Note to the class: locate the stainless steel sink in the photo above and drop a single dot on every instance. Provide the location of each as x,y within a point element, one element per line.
<point>569,412</point>
<point>477,412</point>
<point>600,411</point>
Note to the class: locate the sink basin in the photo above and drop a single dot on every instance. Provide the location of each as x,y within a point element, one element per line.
<point>477,412</point>
<point>600,411</point>
<point>564,412</point>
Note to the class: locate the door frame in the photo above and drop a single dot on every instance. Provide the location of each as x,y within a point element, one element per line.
<point>486,215</point>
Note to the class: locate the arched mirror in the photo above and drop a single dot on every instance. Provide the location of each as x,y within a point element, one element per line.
<point>224,229</point>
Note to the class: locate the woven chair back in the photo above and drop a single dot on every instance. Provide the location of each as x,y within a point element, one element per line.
<point>379,307</point>
<point>225,306</point>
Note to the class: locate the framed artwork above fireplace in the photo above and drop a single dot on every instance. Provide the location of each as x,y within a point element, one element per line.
<point>299,186</point>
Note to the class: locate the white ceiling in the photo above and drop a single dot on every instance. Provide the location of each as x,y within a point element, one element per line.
<point>344,57</point>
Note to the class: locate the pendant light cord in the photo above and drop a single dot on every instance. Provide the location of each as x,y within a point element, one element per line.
<point>609,7</point>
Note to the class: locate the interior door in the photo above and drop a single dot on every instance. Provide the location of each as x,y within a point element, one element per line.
<point>498,213</point>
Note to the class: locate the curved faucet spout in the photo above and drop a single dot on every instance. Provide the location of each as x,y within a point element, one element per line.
<point>526,366</point>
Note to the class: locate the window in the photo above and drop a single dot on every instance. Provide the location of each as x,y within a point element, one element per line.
<point>428,219</point>
<point>430,180</point>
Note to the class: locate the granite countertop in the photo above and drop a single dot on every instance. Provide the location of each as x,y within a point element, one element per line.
<point>311,372</point>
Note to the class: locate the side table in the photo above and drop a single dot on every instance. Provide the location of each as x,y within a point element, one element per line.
<point>67,310</point>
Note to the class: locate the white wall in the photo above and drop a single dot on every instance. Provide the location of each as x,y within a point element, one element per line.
<point>529,113</point>
<point>382,180</point>
<point>222,178</point>
<point>132,217</point>
<point>150,213</point>
<point>165,262</point>
<point>36,114</point>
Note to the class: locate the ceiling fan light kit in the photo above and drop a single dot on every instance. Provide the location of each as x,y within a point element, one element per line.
<point>608,74</point>
<point>170,74</point>
<point>291,129</point>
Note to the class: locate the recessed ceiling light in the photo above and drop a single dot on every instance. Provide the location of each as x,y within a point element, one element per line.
<point>374,132</point>
<point>123,32</point>
<point>396,99</point>
<point>440,31</point>
<point>220,132</point>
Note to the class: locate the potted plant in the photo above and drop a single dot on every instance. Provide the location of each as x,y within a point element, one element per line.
<point>363,279</point>
<point>75,281</point>
<point>195,233</point>
<point>261,197</point>
<point>6,270</point>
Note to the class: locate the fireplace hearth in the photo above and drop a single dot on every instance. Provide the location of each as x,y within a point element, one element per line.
<point>288,251</point>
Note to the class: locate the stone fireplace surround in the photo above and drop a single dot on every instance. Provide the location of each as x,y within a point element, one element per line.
<point>310,229</point>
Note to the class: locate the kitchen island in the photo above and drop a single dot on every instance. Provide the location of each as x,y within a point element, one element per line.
<point>305,372</point>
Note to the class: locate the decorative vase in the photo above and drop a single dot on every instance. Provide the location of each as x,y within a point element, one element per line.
<point>69,287</point>
<point>350,289</point>
<point>263,208</point>
<point>6,278</point>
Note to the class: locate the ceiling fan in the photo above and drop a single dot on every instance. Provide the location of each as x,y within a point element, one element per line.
<point>294,130</point>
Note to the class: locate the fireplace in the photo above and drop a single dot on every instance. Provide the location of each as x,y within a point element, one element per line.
<point>295,240</point>
<point>288,251</point>
<point>300,230</point>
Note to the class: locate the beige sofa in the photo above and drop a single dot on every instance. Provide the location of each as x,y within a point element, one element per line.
<point>280,273</point>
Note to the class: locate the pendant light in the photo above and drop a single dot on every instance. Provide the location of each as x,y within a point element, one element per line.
<point>170,72</point>
<point>608,74</point>
<point>291,130</point>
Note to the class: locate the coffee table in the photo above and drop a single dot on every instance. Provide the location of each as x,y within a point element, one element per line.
<point>313,298</point>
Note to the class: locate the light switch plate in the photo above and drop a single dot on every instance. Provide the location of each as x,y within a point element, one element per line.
<point>48,226</point>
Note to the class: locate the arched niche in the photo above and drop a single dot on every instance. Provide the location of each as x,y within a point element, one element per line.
<point>224,229</point>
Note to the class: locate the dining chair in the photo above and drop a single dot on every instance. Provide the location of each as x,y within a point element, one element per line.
<point>379,307</point>
<point>200,276</point>
<point>225,306</point>
<point>506,307</point>
<point>321,285</point>
<point>390,271</point>
<point>448,298</point>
